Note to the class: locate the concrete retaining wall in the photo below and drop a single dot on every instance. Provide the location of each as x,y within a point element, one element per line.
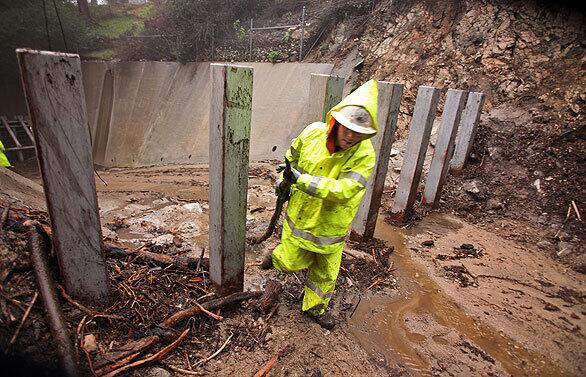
<point>150,113</point>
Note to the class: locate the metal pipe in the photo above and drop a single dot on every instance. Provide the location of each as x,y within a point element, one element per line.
<point>302,32</point>
<point>250,40</point>
<point>65,350</point>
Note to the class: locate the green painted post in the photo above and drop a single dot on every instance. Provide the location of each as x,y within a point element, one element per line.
<point>230,118</point>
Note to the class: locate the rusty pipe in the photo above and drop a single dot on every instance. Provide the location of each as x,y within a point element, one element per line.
<point>65,350</point>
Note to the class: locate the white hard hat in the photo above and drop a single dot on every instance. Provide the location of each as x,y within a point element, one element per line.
<point>355,118</point>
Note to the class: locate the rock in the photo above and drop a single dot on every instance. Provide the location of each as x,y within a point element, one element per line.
<point>188,227</point>
<point>193,207</point>
<point>545,245</point>
<point>467,246</point>
<point>89,343</point>
<point>551,307</point>
<point>316,373</point>
<point>428,243</point>
<point>108,234</point>
<point>494,204</point>
<point>157,372</point>
<point>537,184</point>
<point>473,188</point>
<point>494,153</point>
<point>165,239</point>
<point>565,248</point>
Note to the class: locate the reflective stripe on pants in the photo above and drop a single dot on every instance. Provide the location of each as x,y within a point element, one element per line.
<point>322,273</point>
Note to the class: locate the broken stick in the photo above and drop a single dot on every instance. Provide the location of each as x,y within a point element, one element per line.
<point>156,356</point>
<point>264,371</point>
<point>24,317</point>
<point>134,348</point>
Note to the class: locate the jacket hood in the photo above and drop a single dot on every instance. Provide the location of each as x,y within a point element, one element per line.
<point>365,96</point>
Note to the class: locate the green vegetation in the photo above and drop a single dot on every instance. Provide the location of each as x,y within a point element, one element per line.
<point>287,37</point>
<point>119,26</point>
<point>274,56</point>
<point>239,29</point>
<point>106,54</point>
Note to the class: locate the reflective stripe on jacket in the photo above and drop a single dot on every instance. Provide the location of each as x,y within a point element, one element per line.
<point>326,196</point>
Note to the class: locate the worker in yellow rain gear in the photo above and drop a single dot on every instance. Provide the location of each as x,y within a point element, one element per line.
<point>3,159</point>
<point>329,165</point>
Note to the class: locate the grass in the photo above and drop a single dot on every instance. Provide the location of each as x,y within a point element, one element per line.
<point>118,26</point>
<point>113,23</point>
<point>102,54</point>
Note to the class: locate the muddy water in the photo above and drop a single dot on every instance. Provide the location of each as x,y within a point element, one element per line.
<point>379,323</point>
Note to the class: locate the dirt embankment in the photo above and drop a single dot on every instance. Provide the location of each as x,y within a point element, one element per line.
<point>528,58</point>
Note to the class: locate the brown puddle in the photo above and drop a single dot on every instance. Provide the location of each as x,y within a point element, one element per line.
<point>379,322</point>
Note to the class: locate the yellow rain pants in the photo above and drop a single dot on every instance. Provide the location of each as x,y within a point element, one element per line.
<point>324,201</point>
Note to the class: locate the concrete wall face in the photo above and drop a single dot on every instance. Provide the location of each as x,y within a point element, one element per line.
<point>157,112</point>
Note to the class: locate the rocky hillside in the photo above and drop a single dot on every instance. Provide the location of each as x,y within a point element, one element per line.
<point>528,57</point>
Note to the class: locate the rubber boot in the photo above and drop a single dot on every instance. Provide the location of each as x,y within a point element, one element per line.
<point>325,320</point>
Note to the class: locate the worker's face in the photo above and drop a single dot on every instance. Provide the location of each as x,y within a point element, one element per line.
<point>346,138</point>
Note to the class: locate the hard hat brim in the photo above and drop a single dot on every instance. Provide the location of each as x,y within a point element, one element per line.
<point>344,121</point>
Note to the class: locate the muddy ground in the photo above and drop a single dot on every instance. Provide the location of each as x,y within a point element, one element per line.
<point>452,298</point>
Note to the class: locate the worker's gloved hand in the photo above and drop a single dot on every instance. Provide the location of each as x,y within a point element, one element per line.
<point>289,173</point>
<point>283,189</point>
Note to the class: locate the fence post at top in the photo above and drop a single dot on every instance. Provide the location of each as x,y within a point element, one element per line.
<point>419,133</point>
<point>389,99</point>
<point>302,32</point>
<point>230,118</point>
<point>250,41</point>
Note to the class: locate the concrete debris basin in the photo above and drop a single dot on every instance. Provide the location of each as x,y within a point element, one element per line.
<point>141,199</point>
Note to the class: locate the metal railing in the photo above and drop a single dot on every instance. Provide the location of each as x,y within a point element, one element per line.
<point>300,24</point>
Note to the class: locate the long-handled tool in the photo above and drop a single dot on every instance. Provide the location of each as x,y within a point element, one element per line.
<point>282,196</point>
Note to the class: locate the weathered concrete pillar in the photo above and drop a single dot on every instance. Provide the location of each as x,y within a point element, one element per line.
<point>467,131</point>
<point>389,99</point>
<point>444,146</point>
<point>325,91</point>
<point>419,133</point>
<point>54,94</point>
<point>230,116</point>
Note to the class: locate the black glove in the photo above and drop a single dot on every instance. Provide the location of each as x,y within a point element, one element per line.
<point>289,173</point>
<point>283,190</point>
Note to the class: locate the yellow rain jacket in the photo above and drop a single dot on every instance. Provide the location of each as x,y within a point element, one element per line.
<point>324,201</point>
<point>3,159</point>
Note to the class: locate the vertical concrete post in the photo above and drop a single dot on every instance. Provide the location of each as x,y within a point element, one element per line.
<point>389,99</point>
<point>444,146</point>
<point>467,131</point>
<point>230,116</point>
<point>419,133</point>
<point>325,91</point>
<point>54,94</point>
